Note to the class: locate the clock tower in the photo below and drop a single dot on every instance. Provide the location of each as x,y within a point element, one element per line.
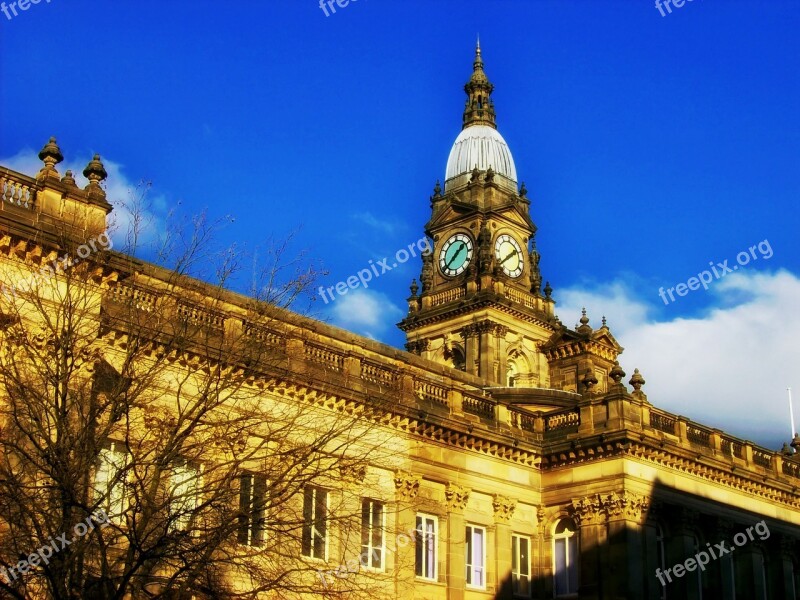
<point>480,306</point>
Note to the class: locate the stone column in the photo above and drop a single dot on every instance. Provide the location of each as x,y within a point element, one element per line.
<point>471,348</point>
<point>726,566</point>
<point>680,546</point>
<point>503,511</point>
<point>407,488</point>
<point>590,519</point>
<point>488,351</point>
<point>783,576</point>
<point>456,497</point>
<point>625,513</point>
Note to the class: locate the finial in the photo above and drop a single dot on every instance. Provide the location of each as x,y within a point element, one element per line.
<point>68,179</point>
<point>796,442</point>
<point>584,318</point>
<point>414,288</point>
<point>548,291</point>
<point>786,450</point>
<point>95,172</point>
<point>637,381</point>
<point>437,190</point>
<point>617,373</point>
<point>476,174</point>
<point>489,175</point>
<point>605,324</point>
<point>50,155</point>
<point>523,191</point>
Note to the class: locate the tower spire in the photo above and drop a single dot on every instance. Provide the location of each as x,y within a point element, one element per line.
<point>480,108</point>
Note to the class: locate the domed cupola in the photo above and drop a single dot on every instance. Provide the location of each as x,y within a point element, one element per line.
<point>480,145</point>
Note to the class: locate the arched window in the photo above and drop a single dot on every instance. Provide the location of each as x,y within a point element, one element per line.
<point>457,356</point>
<point>511,372</point>
<point>565,559</point>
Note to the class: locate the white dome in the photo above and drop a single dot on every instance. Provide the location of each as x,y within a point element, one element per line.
<point>481,146</point>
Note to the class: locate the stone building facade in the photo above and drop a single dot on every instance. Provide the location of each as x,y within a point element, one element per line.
<point>527,467</point>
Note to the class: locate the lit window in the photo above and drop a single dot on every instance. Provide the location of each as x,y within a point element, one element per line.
<point>372,524</point>
<point>252,509</point>
<point>476,556</point>
<point>315,523</point>
<point>565,559</point>
<point>520,566</point>
<point>185,484</point>
<point>426,555</point>
<point>109,480</point>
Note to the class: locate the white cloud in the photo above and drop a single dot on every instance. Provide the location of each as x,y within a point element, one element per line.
<point>366,312</point>
<point>119,191</point>
<point>727,368</point>
<point>382,226</point>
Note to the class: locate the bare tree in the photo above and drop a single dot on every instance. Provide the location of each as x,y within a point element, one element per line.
<point>159,437</point>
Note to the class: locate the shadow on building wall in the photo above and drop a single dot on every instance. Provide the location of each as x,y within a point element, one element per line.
<point>682,546</point>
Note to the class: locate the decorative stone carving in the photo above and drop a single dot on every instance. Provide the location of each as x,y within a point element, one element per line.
<point>629,505</point>
<point>352,472</point>
<point>599,507</point>
<point>456,496</point>
<point>407,485</point>
<point>427,271</point>
<point>503,508</point>
<point>587,510</point>
<point>418,346</point>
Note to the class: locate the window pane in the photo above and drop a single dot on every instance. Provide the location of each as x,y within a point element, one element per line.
<point>245,487</point>
<point>418,554</point>
<point>430,557</point>
<point>308,514</point>
<point>573,564</point>
<point>560,560</point>
<point>259,508</point>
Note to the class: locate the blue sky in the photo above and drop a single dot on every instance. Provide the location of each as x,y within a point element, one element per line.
<point>650,146</point>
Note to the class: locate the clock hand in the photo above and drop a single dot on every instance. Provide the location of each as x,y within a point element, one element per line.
<point>513,253</point>
<point>455,256</point>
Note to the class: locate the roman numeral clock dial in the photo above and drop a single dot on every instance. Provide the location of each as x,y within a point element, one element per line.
<point>508,253</point>
<point>455,255</point>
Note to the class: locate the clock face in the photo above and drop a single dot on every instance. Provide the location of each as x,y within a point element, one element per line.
<point>455,255</point>
<point>509,255</point>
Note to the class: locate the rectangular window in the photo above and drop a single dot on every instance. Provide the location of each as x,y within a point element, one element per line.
<point>185,485</point>
<point>109,480</point>
<point>252,509</point>
<point>520,566</point>
<point>372,525</point>
<point>426,550</point>
<point>476,556</point>
<point>315,522</point>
